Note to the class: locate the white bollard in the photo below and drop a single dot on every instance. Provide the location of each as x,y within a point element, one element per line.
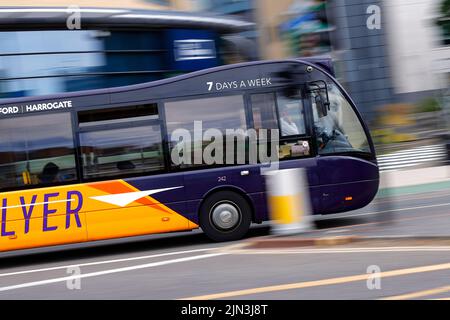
<point>289,201</point>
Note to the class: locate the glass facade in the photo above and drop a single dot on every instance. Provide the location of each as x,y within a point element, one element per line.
<point>45,62</point>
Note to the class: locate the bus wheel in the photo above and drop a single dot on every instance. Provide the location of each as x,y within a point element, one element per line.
<point>225,216</point>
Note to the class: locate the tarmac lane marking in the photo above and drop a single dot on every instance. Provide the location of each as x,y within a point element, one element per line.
<point>109,271</point>
<point>95,263</point>
<point>419,294</point>
<point>318,283</point>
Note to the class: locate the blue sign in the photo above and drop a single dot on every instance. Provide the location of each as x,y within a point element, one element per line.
<point>191,50</point>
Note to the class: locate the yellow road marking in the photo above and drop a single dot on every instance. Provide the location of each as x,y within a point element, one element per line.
<point>419,294</point>
<point>317,283</point>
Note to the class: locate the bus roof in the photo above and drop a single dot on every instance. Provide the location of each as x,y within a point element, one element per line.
<point>322,64</point>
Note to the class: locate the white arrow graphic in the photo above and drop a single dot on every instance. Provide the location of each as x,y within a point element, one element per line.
<point>124,199</point>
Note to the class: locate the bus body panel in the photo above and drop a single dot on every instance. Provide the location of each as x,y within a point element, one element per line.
<point>196,84</point>
<point>346,183</point>
<point>92,211</point>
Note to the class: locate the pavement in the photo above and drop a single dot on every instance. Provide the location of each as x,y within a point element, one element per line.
<point>189,266</point>
<point>421,176</point>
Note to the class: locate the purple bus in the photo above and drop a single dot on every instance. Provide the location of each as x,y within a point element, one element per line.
<point>130,161</point>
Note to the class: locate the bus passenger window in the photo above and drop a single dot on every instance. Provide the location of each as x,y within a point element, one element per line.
<point>122,151</point>
<point>339,130</point>
<point>36,151</point>
<point>133,146</point>
<point>49,173</point>
<point>200,117</point>
<point>292,117</point>
<point>264,111</point>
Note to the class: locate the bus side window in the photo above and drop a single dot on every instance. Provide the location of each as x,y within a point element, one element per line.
<point>292,116</point>
<point>264,111</point>
<point>124,149</point>
<point>290,125</point>
<point>199,117</point>
<point>36,150</point>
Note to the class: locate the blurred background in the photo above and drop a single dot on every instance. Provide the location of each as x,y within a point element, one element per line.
<point>392,56</point>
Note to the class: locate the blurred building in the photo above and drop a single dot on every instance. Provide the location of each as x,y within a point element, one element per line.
<point>241,8</point>
<point>39,54</point>
<point>401,60</point>
<point>182,5</point>
<point>299,28</point>
<point>362,49</point>
<point>338,28</point>
<point>419,58</point>
<point>398,61</point>
<point>244,46</point>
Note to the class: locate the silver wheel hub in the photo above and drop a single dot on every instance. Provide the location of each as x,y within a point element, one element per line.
<point>225,216</point>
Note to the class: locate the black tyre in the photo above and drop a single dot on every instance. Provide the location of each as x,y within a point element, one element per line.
<point>225,216</point>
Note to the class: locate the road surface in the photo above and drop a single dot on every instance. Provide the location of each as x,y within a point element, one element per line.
<point>187,265</point>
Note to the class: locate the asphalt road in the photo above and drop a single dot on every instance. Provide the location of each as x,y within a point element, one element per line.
<point>187,265</point>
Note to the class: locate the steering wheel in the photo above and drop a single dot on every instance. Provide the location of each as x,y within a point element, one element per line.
<point>324,137</point>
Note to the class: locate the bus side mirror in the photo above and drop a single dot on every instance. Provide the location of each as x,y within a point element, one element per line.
<point>322,105</point>
<point>320,92</point>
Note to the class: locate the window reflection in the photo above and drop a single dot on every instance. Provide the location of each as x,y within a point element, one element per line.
<point>263,109</point>
<point>36,150</point>
<point>219,113</point>
<point>340,130</point>
<point>44,62</point>
<point>290,109</point>
<point>292,119</point>
<point>121,152</point>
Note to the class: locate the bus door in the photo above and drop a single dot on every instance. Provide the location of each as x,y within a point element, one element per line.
<point>347,175</point>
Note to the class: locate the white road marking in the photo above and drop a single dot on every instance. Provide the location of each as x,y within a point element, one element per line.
<point>337,231</point>
<point>106,262</point>
<point>110,271</point>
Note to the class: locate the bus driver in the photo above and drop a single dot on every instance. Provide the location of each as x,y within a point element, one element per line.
<point>288,123</point>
